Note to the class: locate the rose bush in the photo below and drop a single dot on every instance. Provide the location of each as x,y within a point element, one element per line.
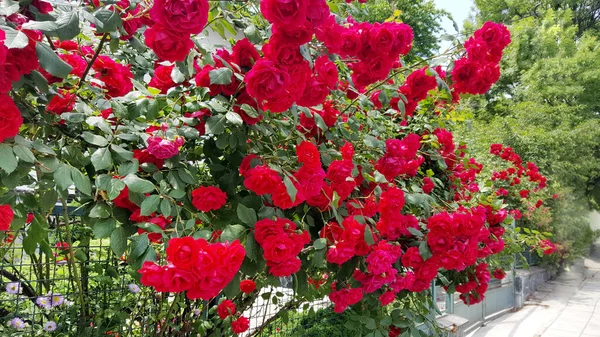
<point>306,149</point>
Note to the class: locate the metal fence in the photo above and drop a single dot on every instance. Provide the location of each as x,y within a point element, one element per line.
<point>39,289</point>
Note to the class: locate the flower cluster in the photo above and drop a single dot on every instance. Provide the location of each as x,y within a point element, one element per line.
<point>227,309</point>
<point>283,76</point>
<point>475,73</point>
<point>399,158</point>
<point>415,89</point>
<point>173,22</point>
<point>473,290</point>
<point>377,47</point>
<point>202,269</point>
<point>281,243</point>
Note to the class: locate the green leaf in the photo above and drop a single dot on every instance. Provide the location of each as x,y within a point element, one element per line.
<point>107,21</point>
<point>220,76</point>
<point>251,247</point>
<point>118,241</point>
<point>177,194</point>
<point>372,141</point>
<point>40,81</point>
<point>424,250</point>
<point>150,205</point>
<point>104,227</point>
<point>320,122</point>
<point>82,183</point>
<point>138,185</point>
<point>9,161</point>
<point>252,34</point>
<point>320,243</point>
<point>247,215</point>
<point>290,188</point>
<point>100,123</point>
<point>369,235</point>
<point>62,176</point>
<point>67,25</point>
<point>101,159</point>
<point>139,246</point>
<point>234,118</point>
<point>121,152</point>
<point>94,139</point>
<point>232,232</point>
<point>51,62</point>
<point>165,207</point>
<point>100,210</point>
<point>215,125</point>
<point>250,111</point>
<point>233,288</point>
<point>114,188</point>
<point>15,38</point>
<point>44,26</point>
<point>80,255</point>
<point>23,153</point>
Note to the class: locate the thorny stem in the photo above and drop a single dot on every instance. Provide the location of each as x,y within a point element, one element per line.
<point>96,54</point>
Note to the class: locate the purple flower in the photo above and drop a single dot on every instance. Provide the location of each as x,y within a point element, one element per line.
<point>57,299</point>
<point>44,302</point>
<point>17,323</point>
<point>50,326</point>
<point>13,288</point>
<point>134,288</point>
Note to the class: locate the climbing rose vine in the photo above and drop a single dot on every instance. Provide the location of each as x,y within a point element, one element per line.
<point>312,146</point>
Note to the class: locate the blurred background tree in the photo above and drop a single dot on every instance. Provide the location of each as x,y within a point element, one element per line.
<point>546,103</point>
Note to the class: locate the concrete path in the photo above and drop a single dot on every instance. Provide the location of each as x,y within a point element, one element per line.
<point>568,306</point>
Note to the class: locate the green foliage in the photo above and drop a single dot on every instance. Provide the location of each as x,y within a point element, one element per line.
<point>320,323</point>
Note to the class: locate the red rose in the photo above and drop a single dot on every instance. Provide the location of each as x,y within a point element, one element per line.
<point>152,276</point>
<point>143,156</point>
<point>116,77</point>
<point>177,280</point>
<point>282,199</point>
<point>181,16</point>
<point>495,35</point>
<point>226,309</point>
<point>10,118</point>
<point>266,229</point>
<point>6,217</point>
<point>162,79</point>
<point>326,71</point>
<point>285,268</point>
<point>282,51</point>
<point>381,37</point>
<point>77,62</point>
<point>168,45</point>
<point>262,180</point>
<point>209,198</point>
<point>183,252</point>
<point>298,35</point>
<point>428,185</point>
<point>247,286</point>
<point>387,298</point>
<point>244,53</point>
<point>412,258</point>
<point>278,248</point>
<point>122,200</point>
<point>284,12</point>
<point>317,12</point>
<point>266,81</point>
<point>314,94</point>
<point>240,325</point>
<point>64,101</point>
<point>499,273</point>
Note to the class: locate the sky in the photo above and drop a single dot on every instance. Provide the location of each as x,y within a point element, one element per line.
<point>459,9</point>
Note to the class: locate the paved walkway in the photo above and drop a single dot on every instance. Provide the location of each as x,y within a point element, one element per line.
<point>568,306</point>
